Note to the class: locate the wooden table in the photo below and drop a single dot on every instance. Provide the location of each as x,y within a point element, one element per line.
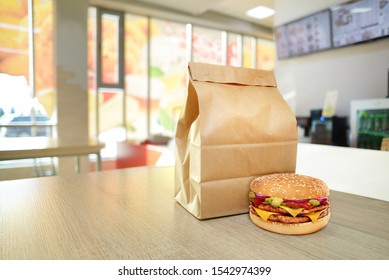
<point>12,148</point>
<point>131,214</point>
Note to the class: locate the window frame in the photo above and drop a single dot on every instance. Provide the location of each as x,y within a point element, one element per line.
<point>99,81</point>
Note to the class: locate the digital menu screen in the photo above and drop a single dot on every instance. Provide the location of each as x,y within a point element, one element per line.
<point>359,21</point>
<point>282,42</point>
<point>307,35</point>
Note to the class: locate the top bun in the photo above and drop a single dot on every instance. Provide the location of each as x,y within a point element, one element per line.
<point>290,186</point>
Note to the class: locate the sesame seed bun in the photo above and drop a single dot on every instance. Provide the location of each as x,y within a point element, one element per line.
<point>290,229</point>
<point>290,186</point>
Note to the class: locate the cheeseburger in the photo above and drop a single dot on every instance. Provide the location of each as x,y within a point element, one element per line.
<point>289,203</point>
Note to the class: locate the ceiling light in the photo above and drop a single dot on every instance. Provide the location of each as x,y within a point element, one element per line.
<point>260,12</point>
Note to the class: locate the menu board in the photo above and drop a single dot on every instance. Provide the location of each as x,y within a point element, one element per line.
<point>359,21</point>
<point>304,36</point>
<point>341,25</point>
<point>282,43</point>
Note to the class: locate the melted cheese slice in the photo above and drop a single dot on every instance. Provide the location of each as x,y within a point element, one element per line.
<point>263,213</point>
<point>293,212</point>
<point>313,216</point>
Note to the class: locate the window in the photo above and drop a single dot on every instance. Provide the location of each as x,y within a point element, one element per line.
<point>92,71</point>
<point>168,66</point>
<point>27,102</point>
<point>248,52</point>
<point>136,76</point>
<point>110,53</point>
<point>234,49</point>
<point>266,54</point>
<point>106,76</point>
<point>148,99</point>
<point>207,45</point>
<point>26,68</point>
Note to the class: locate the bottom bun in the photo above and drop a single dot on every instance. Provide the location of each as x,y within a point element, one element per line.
<point>290,229</point>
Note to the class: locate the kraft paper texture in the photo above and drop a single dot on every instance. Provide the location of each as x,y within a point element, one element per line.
<point>234,126</point>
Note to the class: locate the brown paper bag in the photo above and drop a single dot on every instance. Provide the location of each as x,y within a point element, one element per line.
<point>234,126</point>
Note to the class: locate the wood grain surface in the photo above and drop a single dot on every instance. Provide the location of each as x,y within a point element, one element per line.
<point>132,214</point>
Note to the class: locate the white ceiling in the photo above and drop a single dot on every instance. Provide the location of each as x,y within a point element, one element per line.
<point>234,8</point>
<point>286,10</point>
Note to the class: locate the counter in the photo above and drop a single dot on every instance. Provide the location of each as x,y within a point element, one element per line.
<point>358,171</point>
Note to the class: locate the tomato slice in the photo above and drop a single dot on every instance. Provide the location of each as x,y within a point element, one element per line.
<point>304,204</point>
<point>257,201</point>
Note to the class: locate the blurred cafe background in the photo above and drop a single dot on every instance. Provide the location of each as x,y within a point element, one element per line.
<point>116,71</point>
